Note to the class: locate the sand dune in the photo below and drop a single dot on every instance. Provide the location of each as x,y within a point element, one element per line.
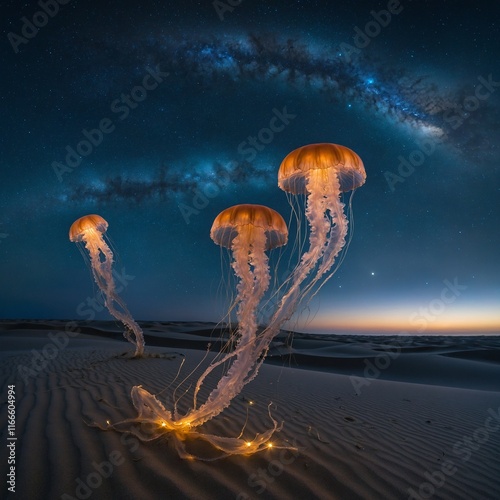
<point>419,427</point>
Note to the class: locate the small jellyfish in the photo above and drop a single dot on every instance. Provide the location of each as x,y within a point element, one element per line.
<point>90,230</point>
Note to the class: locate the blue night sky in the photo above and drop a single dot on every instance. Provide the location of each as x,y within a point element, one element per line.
<point>159,115</point>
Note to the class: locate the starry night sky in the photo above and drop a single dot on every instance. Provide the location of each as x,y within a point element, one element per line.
<point>179,93</point>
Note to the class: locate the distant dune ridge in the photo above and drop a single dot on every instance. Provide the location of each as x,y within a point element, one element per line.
<point>372,417</point>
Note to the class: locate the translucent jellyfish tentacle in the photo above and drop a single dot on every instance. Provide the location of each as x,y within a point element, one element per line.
<point>319,223</point>
<point>338,226</point>
<point>242,269</point>
<point>102,269</point>
<point>156,420</point>
<point>247,301</point>
<point>260,264</point>
<point>103,275</point>
<point>253,289</point>
<point>125,317</point>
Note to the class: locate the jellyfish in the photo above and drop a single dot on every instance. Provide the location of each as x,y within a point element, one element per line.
<point>248,231</point>
<point>90,230</point>
<point>321,172</point>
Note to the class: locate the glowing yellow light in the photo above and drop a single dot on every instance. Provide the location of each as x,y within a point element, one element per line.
<point>250,402</point>
<point>269,445</point>
<point>108,422</point>
<point>249,443</point>
<point>163,424</point>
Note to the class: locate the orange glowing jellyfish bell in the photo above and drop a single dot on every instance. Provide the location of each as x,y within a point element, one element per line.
<point>84,226</point>
<point>90,230</point>
<point>316,164</point>
<point>249,220</point>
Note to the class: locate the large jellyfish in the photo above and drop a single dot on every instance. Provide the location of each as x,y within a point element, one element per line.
<point>321,172</point>
<point>248,231</point>
<point>90,229</point>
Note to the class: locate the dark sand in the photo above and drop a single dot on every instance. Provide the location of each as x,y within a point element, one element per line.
<point>429,412</point>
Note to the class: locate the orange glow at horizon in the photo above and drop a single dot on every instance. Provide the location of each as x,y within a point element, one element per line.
<point>406,319</point>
